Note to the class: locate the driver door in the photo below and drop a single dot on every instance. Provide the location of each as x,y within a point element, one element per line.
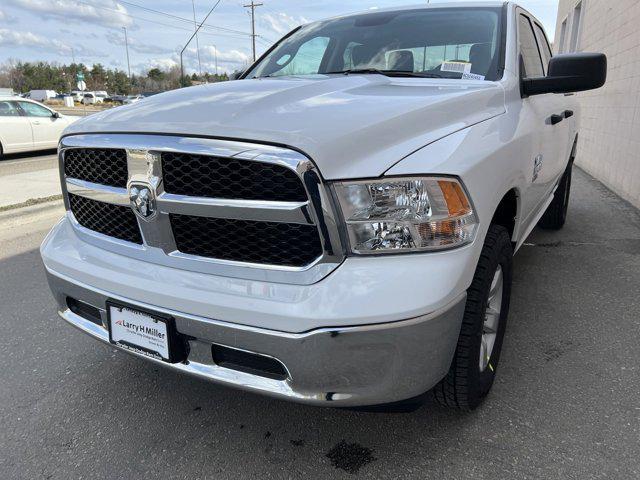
<point>46,128</point>
<point>547,134</point>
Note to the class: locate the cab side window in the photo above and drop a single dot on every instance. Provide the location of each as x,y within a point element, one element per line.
<point>34,110</point>
<point>9,109</point>
<point>545,49</point>
<point>529,49</point>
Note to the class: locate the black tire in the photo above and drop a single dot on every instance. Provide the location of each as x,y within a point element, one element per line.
<point>466,385</point>
<point>556,214</point>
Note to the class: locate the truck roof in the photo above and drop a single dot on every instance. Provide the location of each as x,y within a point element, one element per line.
<point>486,4</point>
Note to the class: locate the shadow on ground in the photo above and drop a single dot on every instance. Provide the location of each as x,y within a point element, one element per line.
<point>24,155</point>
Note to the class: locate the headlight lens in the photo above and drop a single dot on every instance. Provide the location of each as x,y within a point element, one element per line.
<point>406,214</point>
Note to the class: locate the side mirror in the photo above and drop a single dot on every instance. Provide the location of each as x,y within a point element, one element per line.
<point>236,75</point>
<point>568,73</point>
<point>55,115</point>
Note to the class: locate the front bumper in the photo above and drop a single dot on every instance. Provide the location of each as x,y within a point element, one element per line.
<point>338,364</point>
<point>352,366</point>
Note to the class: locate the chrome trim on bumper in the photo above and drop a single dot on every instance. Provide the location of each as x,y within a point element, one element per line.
<point>144,167</point>
<point>333,366</point>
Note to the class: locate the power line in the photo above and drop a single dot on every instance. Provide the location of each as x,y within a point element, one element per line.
<point>238,35</point>
<point>191,38</point>
<point>253,6</point>
<point>176,17</point>
<point>232,35</point>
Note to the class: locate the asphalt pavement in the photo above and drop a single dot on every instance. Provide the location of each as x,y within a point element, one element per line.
<point>566,403</point>
<point>28,178</point>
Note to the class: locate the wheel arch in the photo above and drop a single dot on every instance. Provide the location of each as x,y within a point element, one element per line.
<point>507,212</point>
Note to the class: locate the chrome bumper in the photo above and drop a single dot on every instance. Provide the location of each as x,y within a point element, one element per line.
<point>347,366</point>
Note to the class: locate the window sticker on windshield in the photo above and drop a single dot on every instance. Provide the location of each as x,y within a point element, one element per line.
<point>456,67</point>
<point>472,76</point>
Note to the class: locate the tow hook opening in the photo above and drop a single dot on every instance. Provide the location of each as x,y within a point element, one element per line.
<point>248,362</point>
<point>84,310</point>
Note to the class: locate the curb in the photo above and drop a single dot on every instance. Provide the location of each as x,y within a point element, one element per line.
<point>30,202</point>
<point>42,206</point>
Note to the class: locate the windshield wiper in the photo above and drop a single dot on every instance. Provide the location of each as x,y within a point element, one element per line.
<point>388,73</point>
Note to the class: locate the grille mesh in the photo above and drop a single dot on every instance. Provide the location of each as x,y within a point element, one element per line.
<point>247,241</point>
<point>112,220</point>
<point>98,165</point>
<point>213,177</point>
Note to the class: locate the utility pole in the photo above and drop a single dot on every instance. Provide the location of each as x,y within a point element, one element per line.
<point>126,44</point>
<point>195,28</point>
<point>215,53</point>
<point>253,24</point>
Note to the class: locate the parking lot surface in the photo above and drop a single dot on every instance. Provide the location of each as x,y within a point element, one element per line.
<point>565,403</point>
<point>28,178</point>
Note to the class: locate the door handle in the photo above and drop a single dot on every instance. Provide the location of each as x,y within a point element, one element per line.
<point>555,119</point>
<point>36,123</point>
<point>568,113</point>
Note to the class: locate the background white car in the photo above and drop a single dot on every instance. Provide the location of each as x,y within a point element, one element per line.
<point>101,94</point>
<point>26,125</point>
<point>77,95</point>
<point>132,99</point>
<point>90,98</point>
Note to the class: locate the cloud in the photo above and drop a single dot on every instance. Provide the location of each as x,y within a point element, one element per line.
<point>208,54</point>
<point>161,63</point>
<point>31,40</point>
<point>116,38</point>
<point>228,61</point>
<point>6,18</point>
<point>106,13</point>
<point>280,23</point>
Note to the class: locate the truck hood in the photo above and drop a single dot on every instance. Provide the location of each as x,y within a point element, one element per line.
<point>351,126</point>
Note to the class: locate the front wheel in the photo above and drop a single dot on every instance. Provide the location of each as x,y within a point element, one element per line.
<point>475,362</point>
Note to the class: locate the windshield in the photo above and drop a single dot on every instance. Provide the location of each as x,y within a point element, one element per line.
<point>437,42</point>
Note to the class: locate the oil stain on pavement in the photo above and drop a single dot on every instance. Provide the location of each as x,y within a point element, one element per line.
<point>350,457</point>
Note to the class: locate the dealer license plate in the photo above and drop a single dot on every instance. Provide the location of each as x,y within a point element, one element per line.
<point>139,332</point>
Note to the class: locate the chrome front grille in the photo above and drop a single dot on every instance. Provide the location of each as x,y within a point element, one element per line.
<point>105,166</point>
<point>227,208</point>
<point>212,177</point>
<point>272,243</point>
<point>105,218</point>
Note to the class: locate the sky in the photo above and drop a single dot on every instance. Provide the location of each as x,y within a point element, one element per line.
<point>91,31</point>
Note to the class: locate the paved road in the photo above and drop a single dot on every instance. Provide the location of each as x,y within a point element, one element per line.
<point>15,163</point>
<point>27,177</point>
<point>566,403</point>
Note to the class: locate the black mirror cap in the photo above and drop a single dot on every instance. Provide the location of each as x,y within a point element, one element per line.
<point>569,73</point>
<point>55,115</point>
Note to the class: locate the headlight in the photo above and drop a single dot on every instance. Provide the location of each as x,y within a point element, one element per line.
<point>397,215</point>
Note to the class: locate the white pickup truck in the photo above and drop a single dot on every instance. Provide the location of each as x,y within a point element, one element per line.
<point>337,227</point>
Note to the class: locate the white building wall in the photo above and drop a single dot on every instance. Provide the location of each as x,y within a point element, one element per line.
<point>609,146</point>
